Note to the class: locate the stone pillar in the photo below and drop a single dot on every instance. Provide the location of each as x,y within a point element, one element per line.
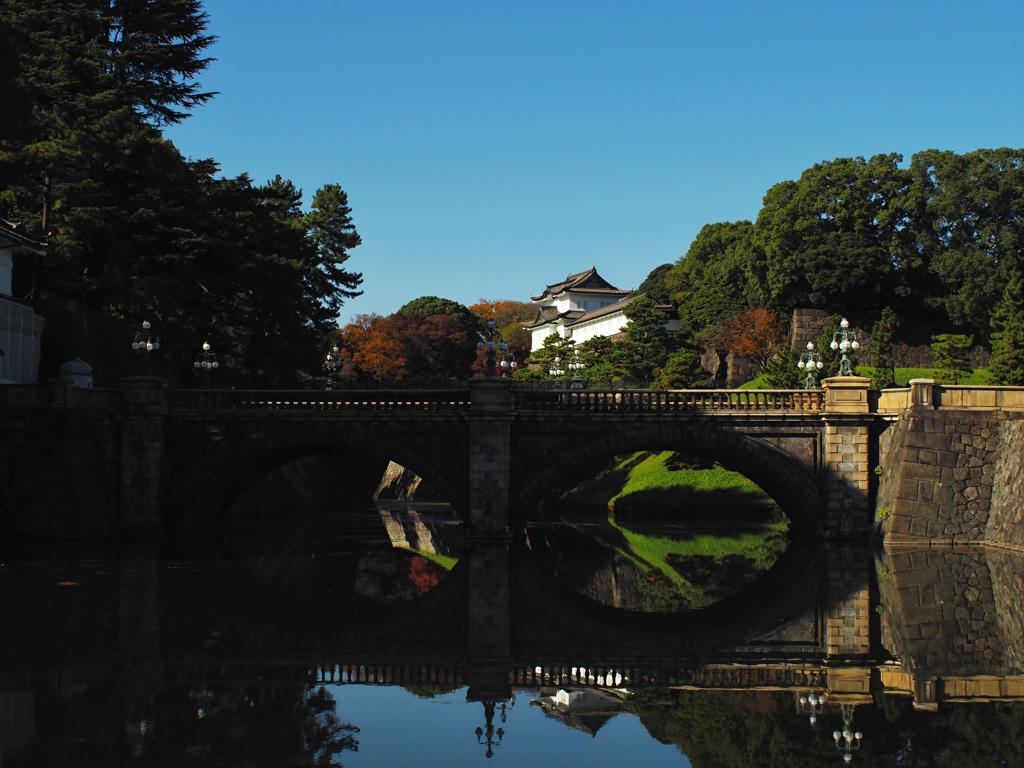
<point>490,456</point>
<point>921,393</point>
<point>847,441</point>
<point>142,455</point>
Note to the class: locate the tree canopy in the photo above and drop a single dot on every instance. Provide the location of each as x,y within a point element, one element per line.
<point>137,231</point>
<point>428,339</point>
<point>936,238</point>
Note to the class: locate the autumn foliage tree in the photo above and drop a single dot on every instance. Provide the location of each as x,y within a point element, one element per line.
<point>429,338</point>
<point>756,334</point>
<point>369,343</point>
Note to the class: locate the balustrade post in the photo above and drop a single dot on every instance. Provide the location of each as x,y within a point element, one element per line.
<point>922,393</point>
<point>142,454</point>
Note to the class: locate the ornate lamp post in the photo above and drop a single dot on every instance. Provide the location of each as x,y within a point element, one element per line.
<point>206,362</point>
<point>557,369</point>
<point>499,361</point>
<point>847,740</point>
<point>845,340</point>
<point>145,342</point>
<point>576,366</point>
<point>333,362</point>
<point>810,360</point>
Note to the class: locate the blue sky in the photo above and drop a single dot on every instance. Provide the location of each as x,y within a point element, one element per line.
<point>489,148</point>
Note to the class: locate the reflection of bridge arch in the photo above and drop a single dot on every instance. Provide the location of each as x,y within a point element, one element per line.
<point>782,476</point>
<point>790,591</point>
<point>222,470</point>
<point>520,608</point>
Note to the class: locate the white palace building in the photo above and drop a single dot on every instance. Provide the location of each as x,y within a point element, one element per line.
<point>582,307</point>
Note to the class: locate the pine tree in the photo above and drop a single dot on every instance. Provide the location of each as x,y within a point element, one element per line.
<point>76,74</point>
<point>1007,364</point>
<point>951,353</point>
<point>881,350</point>
<point>647,343</point>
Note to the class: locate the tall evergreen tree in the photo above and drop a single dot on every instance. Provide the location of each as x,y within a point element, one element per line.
<point>76,72</point>
<point>951,351</point>
<point>333,235</point>
<point>646,345</point>
<point>882,333</point>
<point>1007,364</point>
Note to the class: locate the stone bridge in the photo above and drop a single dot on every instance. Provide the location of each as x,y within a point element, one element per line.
<point>922,462</point>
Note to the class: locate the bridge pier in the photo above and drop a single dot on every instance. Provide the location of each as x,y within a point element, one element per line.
<point>848,421</point>
<point>490,456</point>
<point>142,455</point>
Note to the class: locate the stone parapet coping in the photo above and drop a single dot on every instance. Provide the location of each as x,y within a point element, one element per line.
<point>925,393</point>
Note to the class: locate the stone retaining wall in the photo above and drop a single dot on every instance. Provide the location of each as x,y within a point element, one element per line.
<point>807,325</point>
<point>952,477</point>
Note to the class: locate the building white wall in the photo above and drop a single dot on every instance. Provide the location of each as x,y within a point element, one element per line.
<point>21,333</point>
<point>608,325</point>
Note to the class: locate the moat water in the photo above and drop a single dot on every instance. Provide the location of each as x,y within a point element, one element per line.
<point>384,638</point>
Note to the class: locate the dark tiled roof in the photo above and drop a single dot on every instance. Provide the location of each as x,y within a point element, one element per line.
<point>588,281</point>
<point>548,315</point>
<point>618,306</point>
<point>12,235</point>
<point>610,309</point>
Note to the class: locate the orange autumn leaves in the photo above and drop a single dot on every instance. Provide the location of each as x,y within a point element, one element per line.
<point>414,345</point>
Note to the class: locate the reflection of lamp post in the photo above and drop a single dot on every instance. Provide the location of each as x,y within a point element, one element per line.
<point>810,360</point>
<point>486,736</point>
<point>847,739</point>
<point>499,361</point>
<point>146,342</point>
<point>206,362</point>
<point>845,340</point>
<point>812,705</point>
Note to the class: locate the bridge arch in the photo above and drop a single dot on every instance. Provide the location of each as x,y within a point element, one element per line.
<point>784,478</point>
<point>202,493</point>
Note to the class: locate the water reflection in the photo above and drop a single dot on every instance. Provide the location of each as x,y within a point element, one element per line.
<point>655,573</point>
<point>339,648</point>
